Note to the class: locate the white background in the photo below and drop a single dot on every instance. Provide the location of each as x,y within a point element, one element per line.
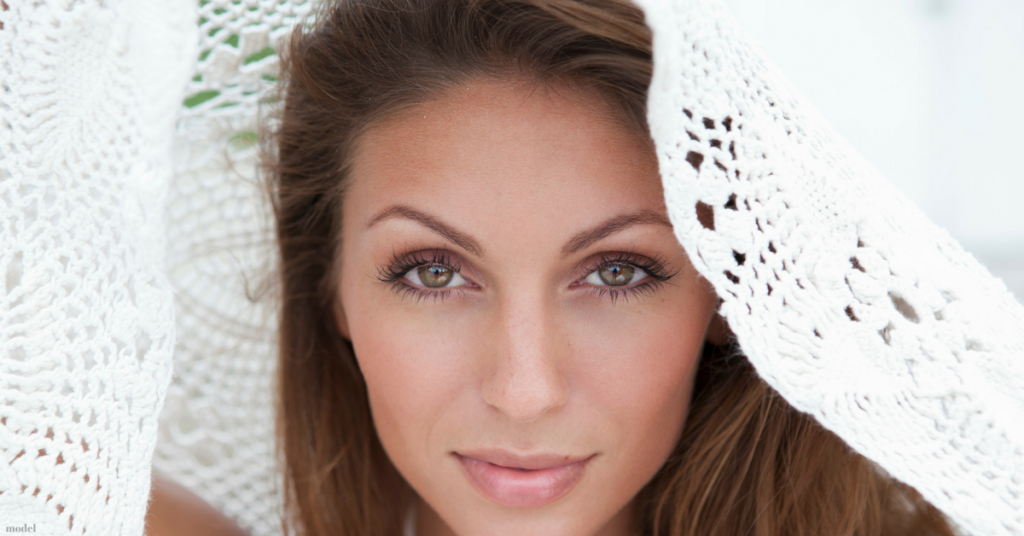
<point>930,91</point>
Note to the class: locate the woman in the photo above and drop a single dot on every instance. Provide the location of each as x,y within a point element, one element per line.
<point>487,320</point>
<point>467,193</point>
<point>505,309</point>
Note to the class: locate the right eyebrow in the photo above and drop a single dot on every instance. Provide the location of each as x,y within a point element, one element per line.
<point>459,238</point>
<point>611,226</point>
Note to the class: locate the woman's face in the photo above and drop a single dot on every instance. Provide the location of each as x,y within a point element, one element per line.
<point>526,322</point>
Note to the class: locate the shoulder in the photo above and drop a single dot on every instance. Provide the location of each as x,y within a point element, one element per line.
<point>174,510</point>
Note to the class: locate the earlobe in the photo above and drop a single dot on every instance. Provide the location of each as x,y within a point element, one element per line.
<point>339,319</point>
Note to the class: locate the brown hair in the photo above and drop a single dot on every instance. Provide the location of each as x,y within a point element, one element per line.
<point>747,463</point>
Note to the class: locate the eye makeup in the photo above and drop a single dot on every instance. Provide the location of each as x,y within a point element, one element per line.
<point>400,274</point>
<point>395,273</point>
<point>655,269</point>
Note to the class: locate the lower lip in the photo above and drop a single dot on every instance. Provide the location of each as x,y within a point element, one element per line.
<point>522,489</point>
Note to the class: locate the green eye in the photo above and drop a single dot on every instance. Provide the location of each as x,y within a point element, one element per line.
<point>615,275</point>
<point>434,276</point>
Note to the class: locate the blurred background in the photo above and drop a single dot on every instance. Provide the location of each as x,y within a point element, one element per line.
<point>929,91</point>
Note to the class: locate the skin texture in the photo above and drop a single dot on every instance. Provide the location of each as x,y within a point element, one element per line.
<point>530,355</point>
<point>175,511</point>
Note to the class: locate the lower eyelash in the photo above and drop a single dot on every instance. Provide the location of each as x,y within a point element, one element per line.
<point>643,289</point>
<point>418,295</point>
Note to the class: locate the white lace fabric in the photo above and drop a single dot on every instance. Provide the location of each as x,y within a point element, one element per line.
<point>217,428</point>
<point>845,298</point>
<point>88,99</point>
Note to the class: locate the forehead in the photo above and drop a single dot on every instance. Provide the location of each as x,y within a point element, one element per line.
<point>502,147</point>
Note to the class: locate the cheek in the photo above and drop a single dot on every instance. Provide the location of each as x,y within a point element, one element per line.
<point>410,370</point>
<point>647,351</point>
<point>638,368</point>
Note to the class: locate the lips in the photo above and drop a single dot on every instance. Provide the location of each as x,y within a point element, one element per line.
<point>522,481</point>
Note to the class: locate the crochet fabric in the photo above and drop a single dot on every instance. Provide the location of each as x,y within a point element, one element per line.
<point>844,297</point>
<point>89,95</point>
<point>216,432</point>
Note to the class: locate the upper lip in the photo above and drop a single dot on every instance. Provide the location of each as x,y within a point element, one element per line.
<point>541,460</point>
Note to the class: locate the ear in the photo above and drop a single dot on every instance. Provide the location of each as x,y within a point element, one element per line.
<point>339,319</point>
<point>718,331</point>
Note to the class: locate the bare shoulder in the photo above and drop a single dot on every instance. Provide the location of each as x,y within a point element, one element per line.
<point>176,511</point>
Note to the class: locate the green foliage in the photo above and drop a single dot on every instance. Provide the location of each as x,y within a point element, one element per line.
<point>201,97</point>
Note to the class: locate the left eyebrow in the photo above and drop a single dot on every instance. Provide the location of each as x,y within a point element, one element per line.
<point>611,226</point>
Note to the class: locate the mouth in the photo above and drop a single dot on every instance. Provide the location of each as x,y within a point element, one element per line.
<point>522,482</point>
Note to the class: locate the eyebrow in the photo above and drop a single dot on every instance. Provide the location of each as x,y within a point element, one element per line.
<point>459,238</point>
<point>578,242</point>
<point>585,238</point>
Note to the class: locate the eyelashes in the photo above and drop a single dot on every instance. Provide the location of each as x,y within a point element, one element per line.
<point>654,268</point>
<point>399,265</point>
<point>395,274</point>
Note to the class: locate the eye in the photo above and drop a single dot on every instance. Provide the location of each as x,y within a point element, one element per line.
<point>434,276</point>
<point>615,275</point>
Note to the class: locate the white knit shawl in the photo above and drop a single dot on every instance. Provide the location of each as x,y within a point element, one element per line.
<point>132,229</point>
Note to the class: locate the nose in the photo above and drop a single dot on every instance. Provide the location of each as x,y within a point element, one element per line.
<point>525,381</point>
